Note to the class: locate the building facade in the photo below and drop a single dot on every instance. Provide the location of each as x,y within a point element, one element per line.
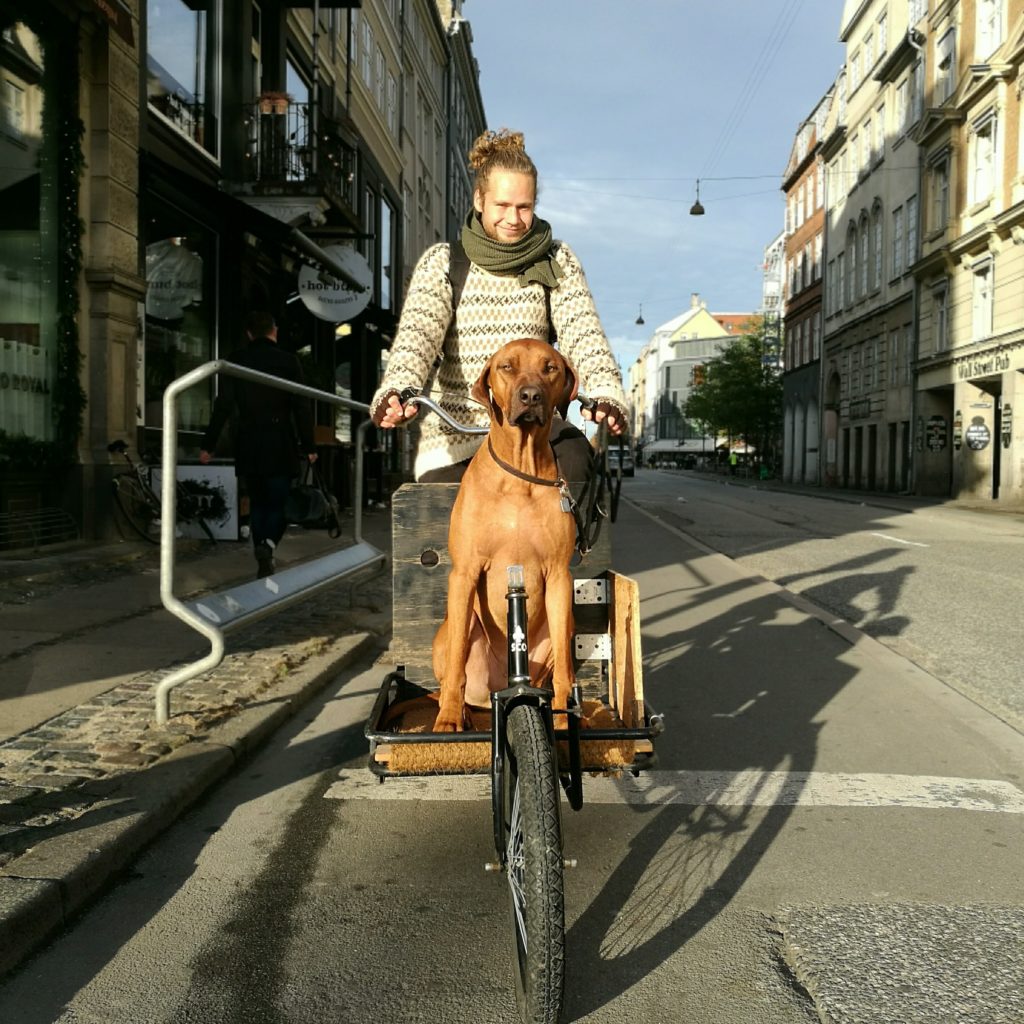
<point>221,156</point>
<point>971,315</point>
<point>803,271</point>
<point>872,241</point>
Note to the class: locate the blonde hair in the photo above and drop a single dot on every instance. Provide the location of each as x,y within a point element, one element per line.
<point>503,150</point>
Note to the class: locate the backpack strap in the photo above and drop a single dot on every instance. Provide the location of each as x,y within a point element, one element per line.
<point>458,271</point>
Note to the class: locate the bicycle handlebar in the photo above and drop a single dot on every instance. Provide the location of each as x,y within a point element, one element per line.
<point>466,428</point>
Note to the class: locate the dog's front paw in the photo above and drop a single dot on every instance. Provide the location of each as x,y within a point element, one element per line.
<point>448,721</point>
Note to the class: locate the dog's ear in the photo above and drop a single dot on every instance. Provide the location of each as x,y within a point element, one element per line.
<point>481,390</point>
<point>572,386</point>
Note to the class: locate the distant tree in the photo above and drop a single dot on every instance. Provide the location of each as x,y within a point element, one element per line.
<point>740,392</point>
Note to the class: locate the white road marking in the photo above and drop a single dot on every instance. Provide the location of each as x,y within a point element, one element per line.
<point>724,789</point>
<point>900,540</point>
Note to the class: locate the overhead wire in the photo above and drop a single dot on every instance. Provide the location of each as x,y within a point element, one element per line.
<point>758,71</point>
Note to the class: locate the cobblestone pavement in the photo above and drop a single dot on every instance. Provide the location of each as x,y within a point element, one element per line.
<point>52,775</point>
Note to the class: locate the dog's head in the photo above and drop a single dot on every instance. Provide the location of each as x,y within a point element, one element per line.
<point>525,382</point>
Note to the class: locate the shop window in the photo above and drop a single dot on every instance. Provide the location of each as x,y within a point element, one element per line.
<point>183,67</point>
<point>28,237</point>
<point>181,258</point>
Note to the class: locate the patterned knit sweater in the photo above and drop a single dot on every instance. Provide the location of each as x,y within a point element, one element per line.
<point>443,356</point>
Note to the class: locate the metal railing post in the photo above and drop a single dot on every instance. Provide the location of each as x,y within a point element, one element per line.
<point>168,509</point>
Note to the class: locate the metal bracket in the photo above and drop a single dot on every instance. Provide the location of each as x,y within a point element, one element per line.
<point>593,646</point>
<point>590,591</point>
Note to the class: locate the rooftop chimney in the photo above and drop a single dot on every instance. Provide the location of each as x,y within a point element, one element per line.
<point>694,300</point>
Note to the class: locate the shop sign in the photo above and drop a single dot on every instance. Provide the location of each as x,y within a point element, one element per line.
<point>958,430</point>
<point>978,436</point>
<point>326,297</point>
<point>971,368</point>
<point>937,432</point>
<point>23,382</point>
<point>1006,424</point>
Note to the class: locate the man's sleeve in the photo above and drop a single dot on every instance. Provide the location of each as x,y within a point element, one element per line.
<point>426,315</point>
<point>580,335</point>
<point>223,407</point>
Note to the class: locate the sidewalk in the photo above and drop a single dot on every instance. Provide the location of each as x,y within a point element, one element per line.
<point>87,778</point>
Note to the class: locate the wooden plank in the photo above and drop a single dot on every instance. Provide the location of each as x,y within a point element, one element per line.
<point>627,678</point>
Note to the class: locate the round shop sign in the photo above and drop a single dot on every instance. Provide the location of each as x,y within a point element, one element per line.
<point>326,297</point>
<point>977,436</point>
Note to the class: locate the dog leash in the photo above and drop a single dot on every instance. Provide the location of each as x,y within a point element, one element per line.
<point>568,503</point>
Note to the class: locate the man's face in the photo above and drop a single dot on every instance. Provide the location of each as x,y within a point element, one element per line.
<point>506,211</point>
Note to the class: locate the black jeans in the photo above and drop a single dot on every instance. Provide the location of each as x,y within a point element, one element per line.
<point>267,498</point>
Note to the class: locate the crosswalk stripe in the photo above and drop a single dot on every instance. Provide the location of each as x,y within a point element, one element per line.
<point>747,788</point>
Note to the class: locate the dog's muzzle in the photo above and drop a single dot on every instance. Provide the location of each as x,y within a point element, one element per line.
<point>528,403</point>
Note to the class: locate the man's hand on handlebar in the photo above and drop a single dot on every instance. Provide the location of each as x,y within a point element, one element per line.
<point>608,413</point>
<point>394,413</point>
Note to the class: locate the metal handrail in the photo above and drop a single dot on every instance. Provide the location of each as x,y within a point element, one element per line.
<point>168,508</point>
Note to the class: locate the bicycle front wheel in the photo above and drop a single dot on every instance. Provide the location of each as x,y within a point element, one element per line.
<point>137,508</point>
<point>535,866</point>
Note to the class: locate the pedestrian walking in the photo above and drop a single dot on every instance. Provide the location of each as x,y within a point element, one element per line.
<point>505,278</point>
<point>733,460</point>
<point>273,427</point>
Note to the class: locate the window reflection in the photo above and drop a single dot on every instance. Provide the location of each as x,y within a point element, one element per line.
<point>28,236</point>
<point>181,64</point>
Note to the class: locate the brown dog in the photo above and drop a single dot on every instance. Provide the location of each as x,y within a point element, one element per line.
<point>500,519</point>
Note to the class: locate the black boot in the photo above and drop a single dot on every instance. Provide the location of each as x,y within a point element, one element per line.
<point>265,559</point>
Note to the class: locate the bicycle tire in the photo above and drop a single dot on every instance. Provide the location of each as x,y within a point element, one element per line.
<point>535,867</point>
<point>136,506</point>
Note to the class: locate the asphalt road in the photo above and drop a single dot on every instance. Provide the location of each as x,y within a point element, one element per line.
<point>941,586</point>
<point>831,834</point>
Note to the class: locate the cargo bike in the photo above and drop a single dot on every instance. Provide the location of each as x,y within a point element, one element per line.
<point>531,752</point>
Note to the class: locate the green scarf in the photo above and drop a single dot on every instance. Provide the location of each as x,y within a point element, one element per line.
<point>530,258</point>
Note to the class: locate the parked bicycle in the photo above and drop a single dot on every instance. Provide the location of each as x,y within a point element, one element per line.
<point>140,504</point>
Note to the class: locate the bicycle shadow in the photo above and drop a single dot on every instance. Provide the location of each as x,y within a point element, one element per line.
<point>742,678</point>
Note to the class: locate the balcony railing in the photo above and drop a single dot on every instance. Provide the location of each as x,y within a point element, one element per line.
<point>286,155</point>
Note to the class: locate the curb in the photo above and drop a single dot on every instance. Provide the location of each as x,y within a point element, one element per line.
<point>45,887</point>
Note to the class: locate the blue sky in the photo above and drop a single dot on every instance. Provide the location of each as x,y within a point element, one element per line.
<point>625,105</point>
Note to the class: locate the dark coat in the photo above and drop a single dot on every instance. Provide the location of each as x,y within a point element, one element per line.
<point>273,426</point>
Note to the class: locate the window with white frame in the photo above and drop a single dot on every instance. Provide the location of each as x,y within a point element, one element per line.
<point>911,231</point>
<point>876,230</point>
<point>883,36</point>
<point>817,256</point>
<point>816,336</point>
<point>854,155</point>
<point>392,104</point>
<point>945,66</point>
<point>865,243</point>
<point>381,81</point>
<point>908,353</point>
<point>981,299</point>
<point>14,107</point>
<point>854,70</point>
<point>851,252</point>
<point>897,241</point>
<point>869,52</point>
<point>830,288</point>
<point>866,142</point>
<point>894,358</point>
<point>880,132</point>
<point>983,158</point>
<point>808,266</point>
<point>938,184</point>
<point>366,55</point>
<point>840,290</point>
<point>842,100</point>
<point>819,187</point>
<point>917,91</point>
<point>916,10</point>
<point>800,205</point>
<point>940,316</point>
<point>902,105</point>
<point>869,365</point>
<point>989,27</point>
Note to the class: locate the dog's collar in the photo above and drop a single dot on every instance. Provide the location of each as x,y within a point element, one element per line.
<point>568,504</point>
